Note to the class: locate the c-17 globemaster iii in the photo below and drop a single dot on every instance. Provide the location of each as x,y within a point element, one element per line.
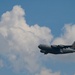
<point>57,49</point>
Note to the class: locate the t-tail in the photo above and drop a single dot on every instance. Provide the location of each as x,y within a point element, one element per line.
<point>73,45</point>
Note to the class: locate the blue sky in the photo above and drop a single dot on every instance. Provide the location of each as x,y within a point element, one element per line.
<point>51,14</point>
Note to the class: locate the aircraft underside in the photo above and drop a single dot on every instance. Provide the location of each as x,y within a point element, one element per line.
<point>56,52</point>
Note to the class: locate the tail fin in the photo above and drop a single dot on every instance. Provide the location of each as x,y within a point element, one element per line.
<point>73,45</point>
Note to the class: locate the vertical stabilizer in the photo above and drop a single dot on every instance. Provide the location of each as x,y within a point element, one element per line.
<point>73,45</point>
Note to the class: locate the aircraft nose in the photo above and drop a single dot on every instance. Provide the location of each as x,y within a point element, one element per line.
<point>40,46</point>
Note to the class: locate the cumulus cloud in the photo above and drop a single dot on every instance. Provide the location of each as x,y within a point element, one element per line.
<point>19,41</point>
<point>68,37</point>
<point>45,71</point>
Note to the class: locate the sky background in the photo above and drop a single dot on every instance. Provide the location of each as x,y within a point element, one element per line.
<point>48,13</point>
<point>29,23</point>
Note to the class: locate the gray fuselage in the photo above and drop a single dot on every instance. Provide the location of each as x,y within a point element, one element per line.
<point>55,49</point>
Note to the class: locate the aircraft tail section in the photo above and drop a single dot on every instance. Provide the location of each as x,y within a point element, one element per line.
<point>73,45</point>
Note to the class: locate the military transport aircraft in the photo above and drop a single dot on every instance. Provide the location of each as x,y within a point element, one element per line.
<point>57,49</point>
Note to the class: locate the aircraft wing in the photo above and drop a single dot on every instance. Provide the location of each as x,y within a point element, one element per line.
<point>60,46</point>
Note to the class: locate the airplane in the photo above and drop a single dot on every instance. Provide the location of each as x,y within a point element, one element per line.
<point>57,49</point>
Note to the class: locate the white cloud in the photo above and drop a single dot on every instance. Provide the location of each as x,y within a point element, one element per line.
<point>68,37</point>
<point>19,41</point>
<point>45,71</point>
